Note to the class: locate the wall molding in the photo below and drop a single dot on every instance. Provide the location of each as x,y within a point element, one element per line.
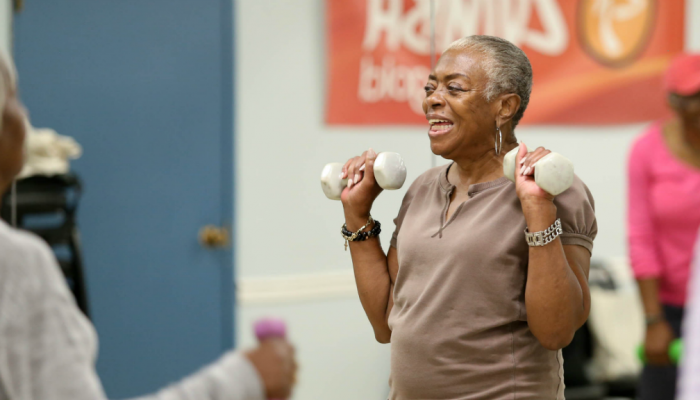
<point>296,288</point>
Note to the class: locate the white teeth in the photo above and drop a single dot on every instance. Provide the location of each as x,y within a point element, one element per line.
<point>445,125</point>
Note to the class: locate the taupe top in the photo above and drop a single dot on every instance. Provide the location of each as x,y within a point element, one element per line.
<point>459,323</point>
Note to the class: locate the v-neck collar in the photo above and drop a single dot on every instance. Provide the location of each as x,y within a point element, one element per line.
<point>446,186</point>
<point>447,189</point>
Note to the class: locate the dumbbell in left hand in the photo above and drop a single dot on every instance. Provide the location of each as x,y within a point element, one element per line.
<point>554,173</point>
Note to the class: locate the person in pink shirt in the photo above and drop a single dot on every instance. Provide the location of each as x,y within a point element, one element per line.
<point>663,220</point>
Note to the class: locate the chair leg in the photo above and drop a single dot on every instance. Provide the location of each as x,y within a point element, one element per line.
<point>79,289</point>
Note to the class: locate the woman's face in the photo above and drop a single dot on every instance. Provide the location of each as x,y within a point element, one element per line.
<point>461,121</point>
<point>687,108</point>
<point>12,134</point>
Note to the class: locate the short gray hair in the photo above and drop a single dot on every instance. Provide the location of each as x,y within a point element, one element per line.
<point>507,67</point>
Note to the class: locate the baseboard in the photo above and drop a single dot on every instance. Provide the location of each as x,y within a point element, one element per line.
<point>296,288</point>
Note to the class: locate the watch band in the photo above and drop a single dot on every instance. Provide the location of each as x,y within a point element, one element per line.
<point>544,237</point>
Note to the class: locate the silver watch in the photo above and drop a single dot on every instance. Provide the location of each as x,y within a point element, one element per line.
<point>544,237</point>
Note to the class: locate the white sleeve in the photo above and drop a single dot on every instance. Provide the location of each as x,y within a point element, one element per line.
<point>232,377</point>
<point>689,380</point>
<point>48,347</point>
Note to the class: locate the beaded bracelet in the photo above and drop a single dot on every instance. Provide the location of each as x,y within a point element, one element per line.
<point>361,235</point>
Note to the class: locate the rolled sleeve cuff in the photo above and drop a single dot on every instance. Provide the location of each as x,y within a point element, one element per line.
<point>578,240</point>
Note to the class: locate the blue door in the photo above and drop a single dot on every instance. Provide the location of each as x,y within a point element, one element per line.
<point>146,87</point>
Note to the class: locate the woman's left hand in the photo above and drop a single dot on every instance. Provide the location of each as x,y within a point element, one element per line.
<point>525,164</point>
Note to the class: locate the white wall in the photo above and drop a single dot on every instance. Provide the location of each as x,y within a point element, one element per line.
<point>286,227</point>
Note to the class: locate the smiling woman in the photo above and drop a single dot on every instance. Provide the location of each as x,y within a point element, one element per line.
<point>472,311</point>
<point>475,82</point>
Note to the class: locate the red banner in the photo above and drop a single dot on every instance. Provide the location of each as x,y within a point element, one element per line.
<point>594,61</point>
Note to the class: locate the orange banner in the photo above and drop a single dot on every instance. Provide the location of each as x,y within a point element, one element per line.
<point>594,61</point>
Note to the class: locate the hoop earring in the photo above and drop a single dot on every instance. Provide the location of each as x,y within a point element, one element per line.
<point>498,143</point>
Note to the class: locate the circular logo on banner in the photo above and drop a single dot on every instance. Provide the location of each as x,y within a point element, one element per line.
<point>615,32</point>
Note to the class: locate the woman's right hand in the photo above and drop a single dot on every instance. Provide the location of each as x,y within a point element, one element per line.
<point>658,338</point>
<point>362,189</point>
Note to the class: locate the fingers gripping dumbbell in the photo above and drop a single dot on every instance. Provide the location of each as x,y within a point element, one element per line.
<point>389,172</point>
<point>554,173</point>
<point>675,352</point>
<point>270,328</point>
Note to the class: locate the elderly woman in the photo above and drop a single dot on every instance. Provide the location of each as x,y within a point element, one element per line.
<point>47,346</point>
<point>663,220</point>
<point>471,311</point>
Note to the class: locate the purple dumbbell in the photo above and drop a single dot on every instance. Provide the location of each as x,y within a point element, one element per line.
<point>269,328</point>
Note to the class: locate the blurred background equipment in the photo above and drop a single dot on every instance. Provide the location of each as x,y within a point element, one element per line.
<point>47,206</point>
<point>45,200</point>
<point>48,153</point>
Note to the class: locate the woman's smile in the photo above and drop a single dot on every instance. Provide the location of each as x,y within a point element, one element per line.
<point>439,126</point>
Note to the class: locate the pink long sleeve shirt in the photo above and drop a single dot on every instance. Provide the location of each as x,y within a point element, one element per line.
<point>663,215</point>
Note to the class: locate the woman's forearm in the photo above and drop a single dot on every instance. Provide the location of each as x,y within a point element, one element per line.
<point>649,290</point>
<point>372,278</point>
<point>554,298</point>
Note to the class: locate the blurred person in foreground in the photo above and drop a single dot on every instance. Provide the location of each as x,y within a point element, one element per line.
<point>663,220</point>
<point>471,311</point>
<point>48,347</point>
<point>689,382</point>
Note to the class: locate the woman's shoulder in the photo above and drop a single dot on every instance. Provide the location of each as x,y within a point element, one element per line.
<point>575,196</point>
<point>24,256</point>
<point>20,244</point>
<point>576,209</point>
<point>649,139</point>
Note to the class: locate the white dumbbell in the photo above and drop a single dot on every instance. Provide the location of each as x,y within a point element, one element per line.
<point>389,172</point>
<point>554,173</point>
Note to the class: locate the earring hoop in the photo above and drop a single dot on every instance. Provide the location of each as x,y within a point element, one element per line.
<point>498,143</point>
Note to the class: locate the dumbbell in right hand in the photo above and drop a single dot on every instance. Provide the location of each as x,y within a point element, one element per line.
<point>554,173</point>
<point>389,172</point>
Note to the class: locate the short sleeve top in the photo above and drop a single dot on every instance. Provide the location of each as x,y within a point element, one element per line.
<point>459,323</point>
